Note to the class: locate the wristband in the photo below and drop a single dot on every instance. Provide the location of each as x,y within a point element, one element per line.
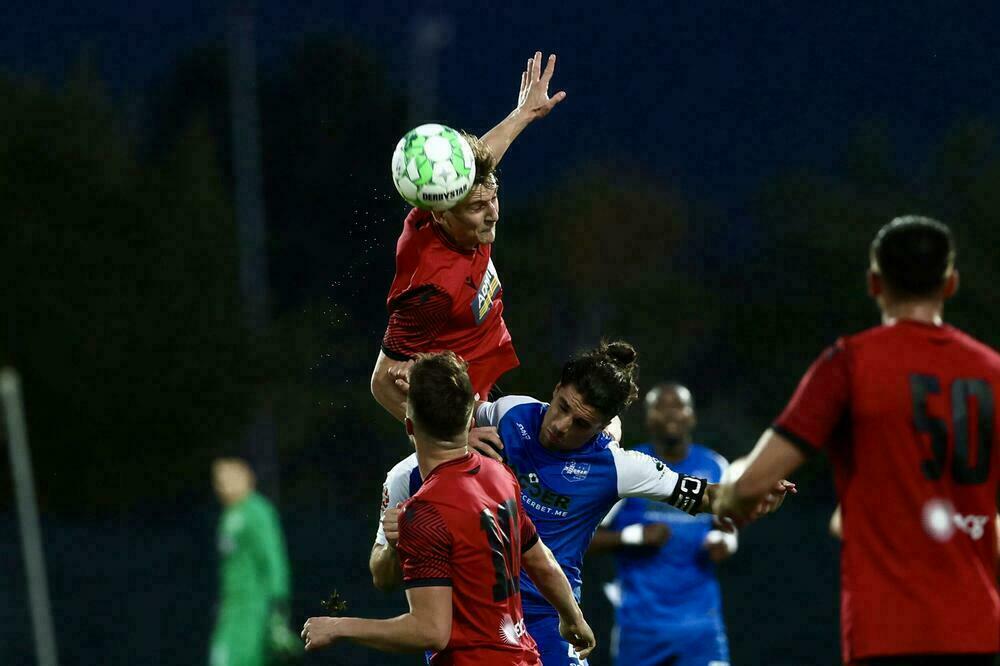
<point>718,536</point>
<point>688,493</point>
<point>632,535</point>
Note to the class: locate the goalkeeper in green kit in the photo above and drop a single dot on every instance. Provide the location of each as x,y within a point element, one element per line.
<point>252,625</point>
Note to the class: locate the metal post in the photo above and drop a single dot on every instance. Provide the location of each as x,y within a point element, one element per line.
<point>27,515</point>
<point>259,437</point>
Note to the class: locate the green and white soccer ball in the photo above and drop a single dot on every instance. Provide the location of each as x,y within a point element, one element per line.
<point>433,167</point>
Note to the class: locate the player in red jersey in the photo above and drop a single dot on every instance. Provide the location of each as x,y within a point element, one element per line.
<point>463,539</point>
<point>907,413</point>
<point>447,294</point>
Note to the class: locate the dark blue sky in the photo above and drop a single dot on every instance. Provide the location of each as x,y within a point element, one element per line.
<point>713,96</point>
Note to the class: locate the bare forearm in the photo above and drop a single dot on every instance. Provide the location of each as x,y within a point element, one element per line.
<point>550,580</point>
<point>605,540</point>
<point>384,566</point>
<point>500,137</point>
<point>400,634</point>
<point>388,395</point>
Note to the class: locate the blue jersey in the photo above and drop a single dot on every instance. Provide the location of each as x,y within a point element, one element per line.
<point>566,493</point>
<point>677,583</point>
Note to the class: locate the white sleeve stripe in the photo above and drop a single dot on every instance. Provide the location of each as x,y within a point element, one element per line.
<point>490,413</point>
<point>641,475</point>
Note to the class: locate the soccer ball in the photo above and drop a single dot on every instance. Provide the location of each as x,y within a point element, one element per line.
<point>433,167</point>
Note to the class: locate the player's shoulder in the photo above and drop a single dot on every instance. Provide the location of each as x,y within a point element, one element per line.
<point>711,457</point>
<point>987,354</point>
<point>422,241</point>
<point>518,405</point>
<point>403,469</point>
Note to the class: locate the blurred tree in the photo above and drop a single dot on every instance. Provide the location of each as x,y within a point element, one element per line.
<point>599,256</point>
<point>805,281</point>
<point>120,299</point>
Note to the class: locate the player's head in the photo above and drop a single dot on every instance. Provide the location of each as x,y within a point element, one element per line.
<point>473,220</point>
<point>232,480</point>
<point>912,259</point>
<point>440,401</point>
<point>670,416</point>
<point>594,387</point>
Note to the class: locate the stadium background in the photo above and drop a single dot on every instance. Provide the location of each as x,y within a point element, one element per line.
<point>707,191</point>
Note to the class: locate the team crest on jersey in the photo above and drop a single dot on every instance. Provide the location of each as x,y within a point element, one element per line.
<point>575,471</point>
<point>486,294</point>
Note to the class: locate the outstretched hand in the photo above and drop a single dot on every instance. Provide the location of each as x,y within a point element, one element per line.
<point>533,99</point>
<point>729,515</point>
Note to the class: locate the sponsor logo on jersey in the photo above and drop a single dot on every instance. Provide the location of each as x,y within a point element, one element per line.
<point>575,471</point>
<point>974,526</point>
<point>523,431</point>
<point>539,498</point>
<point>941,520</point>
<point>486,294</point>
<point>510,631</point>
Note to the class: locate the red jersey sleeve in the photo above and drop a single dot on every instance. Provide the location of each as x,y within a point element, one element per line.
<point>529,535</point>
<point>819,401</point>
<point>416,319</point>
<point>424,546</point>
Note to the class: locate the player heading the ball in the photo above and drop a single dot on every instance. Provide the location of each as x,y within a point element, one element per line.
<point>447,293</point>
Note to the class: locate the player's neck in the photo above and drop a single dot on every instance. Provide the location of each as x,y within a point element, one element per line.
<point>432,454</point>
<point>672,450</point>
<point>446,232</point>
<point>925,312</point>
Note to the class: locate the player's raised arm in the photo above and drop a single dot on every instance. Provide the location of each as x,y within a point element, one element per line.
<point>533,102</point>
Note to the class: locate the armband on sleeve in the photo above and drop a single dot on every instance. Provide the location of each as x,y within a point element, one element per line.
<point>688,493</point>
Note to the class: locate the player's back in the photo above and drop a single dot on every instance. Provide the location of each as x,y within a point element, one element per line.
<point>917,476</point>
<point>472,504</point>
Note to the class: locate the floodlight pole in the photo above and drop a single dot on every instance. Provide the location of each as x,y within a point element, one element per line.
<point>259,437</point>
<point>27,516</point>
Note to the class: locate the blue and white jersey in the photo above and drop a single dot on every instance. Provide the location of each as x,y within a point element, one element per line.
<point>566,493</point>
<point>677,583</point>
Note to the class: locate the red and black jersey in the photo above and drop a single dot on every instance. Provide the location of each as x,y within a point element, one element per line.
<point>447,298</point>
<point>908,415</point>
<point>466,528</point>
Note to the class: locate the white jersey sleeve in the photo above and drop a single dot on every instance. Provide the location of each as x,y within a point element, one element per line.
<point>395,490</point>
<point>641,475</point>
<point>490,413</point>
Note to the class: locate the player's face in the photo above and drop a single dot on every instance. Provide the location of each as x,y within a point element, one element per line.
<point>473,221</point>
<point>569,422</point>
<point>670,416</point>
<point>232,481</point>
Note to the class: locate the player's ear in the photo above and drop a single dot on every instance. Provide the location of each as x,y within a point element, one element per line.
<point>556,390</point>
<point>951,284</point>
<point>409,426</point>
<point>874,284</point>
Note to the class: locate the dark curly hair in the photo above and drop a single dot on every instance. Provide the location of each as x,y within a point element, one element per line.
<point>605,376</point>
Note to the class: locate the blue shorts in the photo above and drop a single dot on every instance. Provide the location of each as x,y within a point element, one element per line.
<point>698,644</point>
<point>553,650</point>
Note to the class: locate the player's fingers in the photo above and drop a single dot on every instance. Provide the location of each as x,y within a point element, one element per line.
<point>486,450</point>
<point>550,68</point>
<point>536,66</point>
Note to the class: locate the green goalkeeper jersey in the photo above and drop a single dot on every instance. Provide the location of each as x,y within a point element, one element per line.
<point>254,562</point>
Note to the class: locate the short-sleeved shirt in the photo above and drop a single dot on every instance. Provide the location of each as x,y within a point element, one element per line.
<point>907,413</point>
<point>465,528</point>
<point>566,494</point>
<point>674,586</point>
<point>445,297</point>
